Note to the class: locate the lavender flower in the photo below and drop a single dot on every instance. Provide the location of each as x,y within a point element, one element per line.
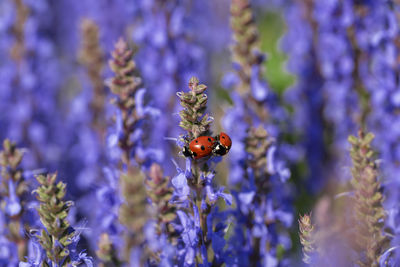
<point>107,225</point>
<point>160,194</point>
<point>132,117</point>
<point>357,77</point>
<point>107,252</point>
<point>256,165</point>
<point>168,56</point>
<point>194,187</point>
<point>92,58</point>
<point>18,50</point>
<point>248,59</point>
<point>307,237</point>
<point>312,103</point>
<point>57,239</point>
<point>259,211</point>
<point>133,213</point>
<point>375,36</point>
<point>369,212</point>
<point>126,85</point>
<point>13,196</point>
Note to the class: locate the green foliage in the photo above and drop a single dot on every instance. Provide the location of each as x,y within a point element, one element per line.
<point>370,216</point>
<point>272,28</point>
<point>53,212</point>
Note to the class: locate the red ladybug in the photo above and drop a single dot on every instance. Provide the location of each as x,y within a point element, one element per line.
<point>200,147</point>
<point>223,145</point>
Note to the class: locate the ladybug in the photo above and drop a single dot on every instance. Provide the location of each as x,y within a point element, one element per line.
<point>223,145</point>
<point>200,147</point>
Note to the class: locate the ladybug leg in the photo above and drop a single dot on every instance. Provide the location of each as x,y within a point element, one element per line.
<point>186,152</point>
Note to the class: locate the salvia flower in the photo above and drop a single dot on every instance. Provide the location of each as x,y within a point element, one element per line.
<point>307,238</point>
<point>161,194</point>
<point>58,239</point>
<point>132,111</point>
<point>193,117</point>
<point>92,58</point>
<point>132,118</point>
<point>124,85</point>
<point>106,251</point>
<point>370,215</point>
<point>133,213</point>
<point>248,63</point>
<point>195,187</point>
<point>257,168</point>
<point>13,196</point>
<point>168,56</point>
<point>260,211</point>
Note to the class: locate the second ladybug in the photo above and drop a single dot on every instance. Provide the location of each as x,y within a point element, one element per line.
<point>223,144</point>
<point>200,147</point>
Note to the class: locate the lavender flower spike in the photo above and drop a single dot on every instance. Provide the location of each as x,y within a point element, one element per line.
<point>245,51</point>
<point>58,238</point>
<point>194,187</point>
<point>307,238</point>
<point>92,57</point>
<point>107,252</point>
<point>125,85</point>
<point>160,194</point>
<point>370,215</point>
<point>133,212</point>
<point>260,210</point>
<point>13,189</point>
<point>193,117</point>
<point>18,49</point>
<point>248,63</point>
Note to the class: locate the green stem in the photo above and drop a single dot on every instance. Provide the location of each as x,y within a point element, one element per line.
<point>199,187</point>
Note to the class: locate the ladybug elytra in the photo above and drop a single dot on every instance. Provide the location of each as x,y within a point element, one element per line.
<point>200,147</point>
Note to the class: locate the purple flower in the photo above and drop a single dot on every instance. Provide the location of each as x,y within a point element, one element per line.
<point>13,206</point>
<point>259,88</point>
<point>179,182</point>
<point>189,235</point>
<point>213,195</point>
<point>168,56</point>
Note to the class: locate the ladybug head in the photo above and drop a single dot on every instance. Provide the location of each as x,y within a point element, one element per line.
<point>220,150</point>
<point>186,152</point>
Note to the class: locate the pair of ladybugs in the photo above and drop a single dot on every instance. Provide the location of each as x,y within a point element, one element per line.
<point>204,146</point>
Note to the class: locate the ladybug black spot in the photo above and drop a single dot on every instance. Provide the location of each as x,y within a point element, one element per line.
<point>203,148</point>
<point>197,141</point>
<point>209,139</point>
<point>223,137</point>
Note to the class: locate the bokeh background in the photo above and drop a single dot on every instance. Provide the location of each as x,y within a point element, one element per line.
<point>332,67</point>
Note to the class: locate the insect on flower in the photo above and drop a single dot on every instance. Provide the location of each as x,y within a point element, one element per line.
<point>200,147</point>
<point>223,145</point>
<point>205,146</point>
